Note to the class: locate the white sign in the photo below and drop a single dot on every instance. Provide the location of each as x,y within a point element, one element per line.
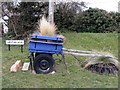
<point>15,42</point>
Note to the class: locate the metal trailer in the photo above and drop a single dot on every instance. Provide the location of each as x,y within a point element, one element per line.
<point>41,49</point>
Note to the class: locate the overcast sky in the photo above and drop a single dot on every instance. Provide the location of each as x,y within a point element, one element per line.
<point>108,5</point>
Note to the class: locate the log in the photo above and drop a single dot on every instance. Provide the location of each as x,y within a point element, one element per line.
<point>87,53</point>
<point>78,51</point>
<point>82,54</point>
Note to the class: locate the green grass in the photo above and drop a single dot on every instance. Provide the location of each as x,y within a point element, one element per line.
<point>77,78</point>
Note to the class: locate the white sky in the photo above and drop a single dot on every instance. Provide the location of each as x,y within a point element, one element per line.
<point>108,5</point>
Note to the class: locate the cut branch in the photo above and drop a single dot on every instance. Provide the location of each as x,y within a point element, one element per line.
<point>78,51</point>
<point>82,54</point>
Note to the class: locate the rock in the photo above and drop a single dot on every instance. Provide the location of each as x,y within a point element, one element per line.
<point>15,66</point>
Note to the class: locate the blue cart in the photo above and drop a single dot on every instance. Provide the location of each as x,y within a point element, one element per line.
<point>41,50</point>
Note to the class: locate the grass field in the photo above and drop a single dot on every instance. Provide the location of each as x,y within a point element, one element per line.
<point>77,78</point>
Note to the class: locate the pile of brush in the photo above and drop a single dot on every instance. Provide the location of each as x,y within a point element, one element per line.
<point>102,65</point>
<point>46,29</point>
<point>99,62</point>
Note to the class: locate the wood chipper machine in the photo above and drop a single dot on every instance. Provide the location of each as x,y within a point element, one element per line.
<point>42,48</point>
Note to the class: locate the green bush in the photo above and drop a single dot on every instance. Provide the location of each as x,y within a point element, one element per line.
<point>97,21</point>
<point>92,20</point>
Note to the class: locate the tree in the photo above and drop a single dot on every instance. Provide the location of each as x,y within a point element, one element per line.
<point>23,20</point>
<point>25,17</point>
<point>66,13</point>
<point>10,11</point>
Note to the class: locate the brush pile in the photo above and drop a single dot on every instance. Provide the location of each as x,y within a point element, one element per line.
<point>99,62</point>
<point>46,28</point>
<point>102,65</point>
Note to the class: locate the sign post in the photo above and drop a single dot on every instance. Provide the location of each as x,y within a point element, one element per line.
<point>51,11</point>
<point>15,42</point>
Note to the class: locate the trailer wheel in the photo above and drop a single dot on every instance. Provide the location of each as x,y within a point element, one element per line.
<point>43,63</point>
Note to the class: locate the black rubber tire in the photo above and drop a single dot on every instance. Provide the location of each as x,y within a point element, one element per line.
<point>43,64</point>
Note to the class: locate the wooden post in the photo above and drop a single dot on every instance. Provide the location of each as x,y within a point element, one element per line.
<point>51,11</point>
<point>9,47</point>
<point>22,48</point>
